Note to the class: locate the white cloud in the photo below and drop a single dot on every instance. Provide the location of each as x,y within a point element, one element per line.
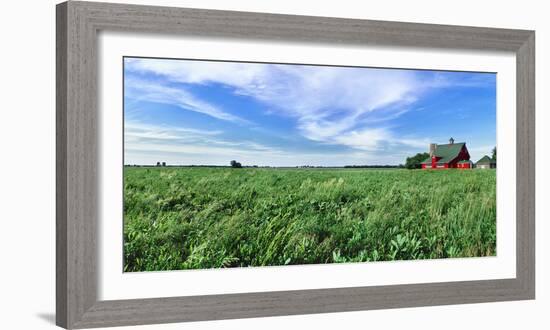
<point>368,139</point>
<point>148,144</point>
<point>414,143</point>
<point>140,136</point>
<point>328,103</point>
<point>134,131</point>
<point>247,154</point>
<point>157,92</point>
<point>197,72</point>
<point>332,105</point>
<point>375,139</point>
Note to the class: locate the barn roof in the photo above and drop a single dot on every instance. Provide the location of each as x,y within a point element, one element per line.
<point>446,152</point>
<point>485,160</point>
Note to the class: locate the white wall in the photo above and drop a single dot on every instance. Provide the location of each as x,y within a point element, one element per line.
<point>27,163</point>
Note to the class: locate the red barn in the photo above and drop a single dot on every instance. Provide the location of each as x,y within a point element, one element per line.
<point>452,155</point>
<point>465,164</point>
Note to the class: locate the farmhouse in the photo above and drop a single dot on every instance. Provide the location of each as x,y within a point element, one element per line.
<point>486,162</point>
<point>452,155</point>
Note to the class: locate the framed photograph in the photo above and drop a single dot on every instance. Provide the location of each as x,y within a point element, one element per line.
<point>217,165</point>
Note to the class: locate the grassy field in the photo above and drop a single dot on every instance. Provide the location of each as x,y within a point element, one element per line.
<point>191,218</point>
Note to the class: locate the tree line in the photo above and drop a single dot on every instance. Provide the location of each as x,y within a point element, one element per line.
<point>414,162</point>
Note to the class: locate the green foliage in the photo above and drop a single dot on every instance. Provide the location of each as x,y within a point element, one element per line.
<point>192,218</point>
<point>415,161</point>
<point>494,154</point>
<point>235,164</point>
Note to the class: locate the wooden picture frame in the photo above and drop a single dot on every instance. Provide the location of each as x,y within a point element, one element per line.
<point>78,24</point>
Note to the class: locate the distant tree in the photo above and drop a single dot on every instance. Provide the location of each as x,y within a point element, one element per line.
<point>494,155</point>
<point>416,160</point>
<point>235,164</point>
<point>158,163</point>
<point>163,163</point>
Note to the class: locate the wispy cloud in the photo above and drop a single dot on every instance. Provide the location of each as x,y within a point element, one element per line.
<point>326,102</point>
<point>353,108</point>
<point>134,131</point>
<point>158,92</point>
<point>147,144</point>
<point>443,79</point>
<point>140,136</point>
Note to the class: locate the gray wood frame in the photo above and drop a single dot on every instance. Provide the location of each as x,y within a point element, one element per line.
<point>77,191</point>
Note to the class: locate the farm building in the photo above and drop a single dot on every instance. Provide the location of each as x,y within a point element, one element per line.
<point>486,162</point>
<point>465,164</point>
<point>448,156</point>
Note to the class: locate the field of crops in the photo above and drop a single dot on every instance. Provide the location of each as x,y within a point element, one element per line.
<point>192,218</point>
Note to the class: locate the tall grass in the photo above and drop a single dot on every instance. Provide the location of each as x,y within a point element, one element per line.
<point>191,218</point>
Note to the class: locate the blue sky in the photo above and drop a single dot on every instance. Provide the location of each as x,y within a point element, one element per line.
<point>207,113</point>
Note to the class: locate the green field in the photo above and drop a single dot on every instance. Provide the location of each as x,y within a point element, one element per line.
<point>192,218</point>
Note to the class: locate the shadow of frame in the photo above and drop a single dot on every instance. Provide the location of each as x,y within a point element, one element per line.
<point>47,317</point>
